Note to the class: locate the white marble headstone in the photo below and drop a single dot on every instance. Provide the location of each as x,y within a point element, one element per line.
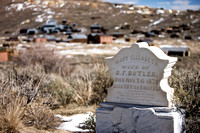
<point>141,76</point>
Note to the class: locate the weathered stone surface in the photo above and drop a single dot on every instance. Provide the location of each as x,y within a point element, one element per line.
<point>126,118</point>
<point>141,76</point>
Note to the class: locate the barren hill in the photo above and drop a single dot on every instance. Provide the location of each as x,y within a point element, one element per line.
<point>17,14</point>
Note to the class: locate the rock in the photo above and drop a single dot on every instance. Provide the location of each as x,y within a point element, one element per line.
<point>120,118</point>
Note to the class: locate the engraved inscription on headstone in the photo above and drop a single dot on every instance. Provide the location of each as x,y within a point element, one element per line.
<point>140,76</point>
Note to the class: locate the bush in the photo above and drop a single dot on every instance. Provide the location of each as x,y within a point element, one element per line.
<point>11,114</point>
<point>27,82</point>
<point>46,57</point>
<point>187,95</point>
<point>91,87</point>
<point>61,90</point>
<point>40,116</point>
<point>20,90</point>
<point>102,80</point>
<point>82,86</point>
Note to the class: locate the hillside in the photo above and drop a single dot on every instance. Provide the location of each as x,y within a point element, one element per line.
<point>17,14</point>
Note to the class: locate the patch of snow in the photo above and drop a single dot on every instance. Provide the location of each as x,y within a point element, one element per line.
<point>44,6</point>
<point>62,5</point>
<point>50,45</point>
<point>72,52</point>
<point>125,12</point>
<point>49,17</point>
<point>173,46</point>
<point>19,46</point>
<point>31,6</point>
<point>45,2</point>
<point>157,22</point>
<point>99,51</point>
<point>37,9</point>
<point>117,28</point>
<point>195,21</point>
<point>70,44</point>
<point>191,16</point>
<point>115,48</point>
<point>95,45</point>
<point>26,3</point>
<point>37,2</point>
<point>23,22</point>
<point>73,122</point>
<point>59,47</point>
<point>39,18</point>
<point>8,8</point>
<point>19,7</point>
<point>48,11</point>
<point>170,11</point>
<point>121,41</point>
<point>140,11</point>
<point>178,12</point>
<point>161,36</point>
<point>160,11</point>
<point>118,6</point>
<point>131,8</point>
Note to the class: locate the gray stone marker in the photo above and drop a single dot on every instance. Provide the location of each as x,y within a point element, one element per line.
<point>140,100</point>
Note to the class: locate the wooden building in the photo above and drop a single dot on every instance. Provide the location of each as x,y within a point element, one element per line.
<point>105,39</point>
<point>78,38</point>
<point>100,38</point>
<point>3,55</point>
<point>40,40</point>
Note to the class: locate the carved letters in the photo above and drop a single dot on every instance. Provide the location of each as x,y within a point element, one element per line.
<point>138,72</point>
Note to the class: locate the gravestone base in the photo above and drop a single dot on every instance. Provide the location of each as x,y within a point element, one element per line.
<point>129,118</point>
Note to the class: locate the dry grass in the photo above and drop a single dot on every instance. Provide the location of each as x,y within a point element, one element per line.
<point>43,89</point>
<point>11,115</point>
<point>82,88</point>
<point>46,57</point>
<point>40,116</point>
<point>102,81</point>
<point>186,82</point>
<point>20,88</point>
<point>60,90</point>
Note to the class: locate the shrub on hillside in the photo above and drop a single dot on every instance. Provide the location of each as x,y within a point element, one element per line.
<point>11,113</point>
<point>20,89</point>
<point>46,57</point>
<point>40,116</point>
<point>60,89</point>
<point>82,85</point>
<point>187,95</point>
<point>27,82</point>
<point>102,80</point>
<point>90,87</point>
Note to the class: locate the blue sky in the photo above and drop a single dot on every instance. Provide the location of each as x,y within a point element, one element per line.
<point>167,4</point>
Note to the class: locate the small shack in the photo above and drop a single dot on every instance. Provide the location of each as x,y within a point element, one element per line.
<point>78,38</point>
<point>105,39</point>
<point>40,40</point>
<point>118,34</point>
<point>3,54</point>
<point>100,38</point>
<point>176,50</point>
<point>97,29</point>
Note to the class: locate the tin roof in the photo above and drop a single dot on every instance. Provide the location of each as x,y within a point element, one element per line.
<point>78,36</point>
